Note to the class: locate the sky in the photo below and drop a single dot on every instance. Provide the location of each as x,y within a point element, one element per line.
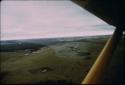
<point>48,19</point>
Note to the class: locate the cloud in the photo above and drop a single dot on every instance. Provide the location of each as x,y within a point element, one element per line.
<point>42,19</point>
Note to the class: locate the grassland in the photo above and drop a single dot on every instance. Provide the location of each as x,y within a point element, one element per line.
<point>69,61</point>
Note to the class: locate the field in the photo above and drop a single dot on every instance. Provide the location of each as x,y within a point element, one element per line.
<point>56,60</point>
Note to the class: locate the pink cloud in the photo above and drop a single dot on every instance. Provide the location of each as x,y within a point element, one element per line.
<point>41,19</point>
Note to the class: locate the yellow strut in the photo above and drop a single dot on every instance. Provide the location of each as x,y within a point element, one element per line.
<point>104,57</point>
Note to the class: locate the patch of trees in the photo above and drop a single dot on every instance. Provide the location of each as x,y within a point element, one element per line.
<point>22,46</point>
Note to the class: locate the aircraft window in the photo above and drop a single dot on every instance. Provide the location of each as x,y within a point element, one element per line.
<point>49,41</point>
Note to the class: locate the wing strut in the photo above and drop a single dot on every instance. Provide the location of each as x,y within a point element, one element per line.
<point>104,57</point>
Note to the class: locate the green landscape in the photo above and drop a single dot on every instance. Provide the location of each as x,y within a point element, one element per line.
<point>49,60</point>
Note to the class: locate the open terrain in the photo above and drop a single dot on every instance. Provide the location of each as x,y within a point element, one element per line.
<point>36,61</point>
